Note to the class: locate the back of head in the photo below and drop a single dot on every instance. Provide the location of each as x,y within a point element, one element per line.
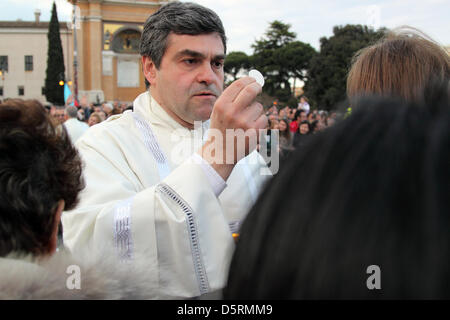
<point>38,168</point>
<point>401,64</point>
<point>71,111</point>
<point>375,191</point>
<point>178,18</point>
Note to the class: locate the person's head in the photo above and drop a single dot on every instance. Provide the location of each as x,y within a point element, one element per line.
<point>303,99</point>
<point>108,109</point>
<point>291,114</point>
<point>59,114</point>
<point>40,175</point>
<point>320,125</point>
<point>311,117</point>
<point>71,112</point>
<point>377,195</point>
<point>102,114</point>
<point>300,115</point>
<point>94,119</point>
<point>283,125</point>
<point>401,64</point>
<point>304,127</point>
<point>98,108</point>
<point>183,48</point>
<point>273,124</point>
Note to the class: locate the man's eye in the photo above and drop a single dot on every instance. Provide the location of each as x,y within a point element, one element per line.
<point>190,61</point>
<point>218,64</point>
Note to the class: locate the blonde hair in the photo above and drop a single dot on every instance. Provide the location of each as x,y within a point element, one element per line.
<point>401,64</point>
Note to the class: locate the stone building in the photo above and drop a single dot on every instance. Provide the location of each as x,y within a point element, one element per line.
<point>107,51</point>
<point>108,47</point>
<point>23,57</point>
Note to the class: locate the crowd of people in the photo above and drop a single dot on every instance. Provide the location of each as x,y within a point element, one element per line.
<point>88,114</point>
<point>370,190</point>
<point>295,124</point>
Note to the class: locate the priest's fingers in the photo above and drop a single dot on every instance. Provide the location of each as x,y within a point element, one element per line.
<point>233,90</point>
<point>247,96</point>
<point>252,113</point>
<point>262,122</point>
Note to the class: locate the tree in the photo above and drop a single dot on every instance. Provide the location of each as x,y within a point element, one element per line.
<point>54,92</point>
<point>236,62</point>
<point>326,83</point>
<point>280,57</point>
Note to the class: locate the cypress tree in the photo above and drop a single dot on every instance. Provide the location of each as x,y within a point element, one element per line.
<point>54,92</point>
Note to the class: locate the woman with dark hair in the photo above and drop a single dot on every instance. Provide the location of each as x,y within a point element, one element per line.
<point>286,139</point>
<point>304,129</point>
<point>374,217</point>
<point>40,176</point>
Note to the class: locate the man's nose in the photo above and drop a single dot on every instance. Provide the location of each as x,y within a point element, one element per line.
<point>206,74</point>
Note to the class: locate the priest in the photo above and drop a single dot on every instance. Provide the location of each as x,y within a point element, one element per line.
<point>168,180</point>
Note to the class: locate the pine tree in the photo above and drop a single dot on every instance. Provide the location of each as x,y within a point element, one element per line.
<point>54,92</point>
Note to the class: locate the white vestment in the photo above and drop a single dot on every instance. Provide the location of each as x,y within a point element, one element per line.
<point>144,195</point>
<point>75,128</point>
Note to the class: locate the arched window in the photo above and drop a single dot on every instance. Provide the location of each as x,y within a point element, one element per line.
<point>126,41</point>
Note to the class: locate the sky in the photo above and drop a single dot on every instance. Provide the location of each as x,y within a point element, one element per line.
<point>247,20</point>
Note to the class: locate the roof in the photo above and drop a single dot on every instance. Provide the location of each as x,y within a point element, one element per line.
<point>29,24</point>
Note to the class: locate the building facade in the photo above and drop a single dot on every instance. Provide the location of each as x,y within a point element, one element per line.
<point>108,36</point>
<point>106,51</point>
<point>23,57</point>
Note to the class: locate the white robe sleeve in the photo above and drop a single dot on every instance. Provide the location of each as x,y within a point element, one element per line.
<point>177,224</point>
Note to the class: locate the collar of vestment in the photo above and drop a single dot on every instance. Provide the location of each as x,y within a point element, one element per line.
<point>152,112</point>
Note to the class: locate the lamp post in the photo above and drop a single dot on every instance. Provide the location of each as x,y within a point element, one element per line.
<point>75,49</point>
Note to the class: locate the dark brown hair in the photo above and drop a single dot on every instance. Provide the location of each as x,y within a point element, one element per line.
<point>38,167</point>
<point>401,64</point>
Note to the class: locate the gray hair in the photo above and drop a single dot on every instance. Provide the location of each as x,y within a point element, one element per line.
<point>179,18</point>
<point>71,111</point>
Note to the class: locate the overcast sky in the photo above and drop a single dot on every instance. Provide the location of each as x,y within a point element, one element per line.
<point>247,20</point>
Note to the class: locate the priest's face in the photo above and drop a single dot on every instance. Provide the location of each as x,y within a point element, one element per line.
<point>190,77</point>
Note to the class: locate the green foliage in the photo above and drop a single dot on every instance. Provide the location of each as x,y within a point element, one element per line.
<point>327,74</point>
<point>280,57</point>
<point>55,62</point>
<point>236,62</point>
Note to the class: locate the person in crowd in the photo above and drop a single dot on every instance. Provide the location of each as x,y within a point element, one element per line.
<point>123,107</point>
<point>273,124</point>
<point>291,115</point>
<point>75,128</point>
<point>283,113</point>
<point>300,137</point>
<point>108,109</point>
<point>94,119</point>
<point>98,108</point>
<point>286,138</point>
<point>40,175</point>
<point>403,63</point>
<point>300,116</point>
<point>145,195</point>
<point>58,115</point>
<point>116,103</point>
<point>311,117</point>
<point>303,104</point>
<point>374,218</point>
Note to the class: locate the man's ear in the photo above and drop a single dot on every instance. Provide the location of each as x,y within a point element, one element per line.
<point>54,238</point>
<point>149,70</point>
